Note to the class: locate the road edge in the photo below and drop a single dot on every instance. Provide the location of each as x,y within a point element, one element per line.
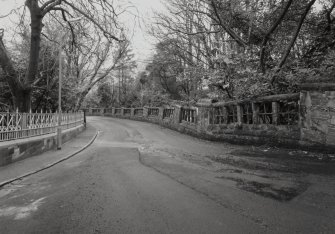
<point>2,184</point>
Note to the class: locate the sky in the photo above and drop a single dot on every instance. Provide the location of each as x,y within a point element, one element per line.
<point>142,43</point>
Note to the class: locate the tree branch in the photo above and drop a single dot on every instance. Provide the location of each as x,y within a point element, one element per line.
<point>93,21</point>
<point>231,33</point>
<point>49,5</point>
<point>268,34</point>
<point>293,40</point>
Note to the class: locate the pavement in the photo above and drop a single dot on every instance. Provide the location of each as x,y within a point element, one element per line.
<point>32,165</point>
<point>142,178</point>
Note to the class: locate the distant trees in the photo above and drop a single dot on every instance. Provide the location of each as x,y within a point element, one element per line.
<point>115,87</point>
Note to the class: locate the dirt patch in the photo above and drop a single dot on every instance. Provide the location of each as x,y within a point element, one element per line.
<point>283,154</point>
<point>276,163</point>
<point>282,194</point>
<point>250,165</point>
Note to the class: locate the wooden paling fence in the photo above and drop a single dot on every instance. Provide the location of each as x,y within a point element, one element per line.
<point>15,125</point>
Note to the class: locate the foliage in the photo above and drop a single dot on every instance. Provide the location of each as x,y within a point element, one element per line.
<point>246,48</point>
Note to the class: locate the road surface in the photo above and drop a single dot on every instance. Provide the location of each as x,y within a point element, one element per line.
<point>141,178</point>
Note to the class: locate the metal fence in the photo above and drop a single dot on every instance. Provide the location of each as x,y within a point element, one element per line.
<point>23,125</point>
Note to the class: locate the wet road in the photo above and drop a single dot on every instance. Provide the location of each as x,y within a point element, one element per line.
<point>141,178</point>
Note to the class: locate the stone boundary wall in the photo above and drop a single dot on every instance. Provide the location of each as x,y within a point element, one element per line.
<point>304,120</point>
<point>12,151</point>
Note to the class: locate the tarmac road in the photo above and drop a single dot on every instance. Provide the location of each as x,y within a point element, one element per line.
<point>141,178</point>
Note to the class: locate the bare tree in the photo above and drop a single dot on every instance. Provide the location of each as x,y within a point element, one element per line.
<point>102,14</point>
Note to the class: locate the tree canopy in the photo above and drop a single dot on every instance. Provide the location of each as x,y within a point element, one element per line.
<point>222,49</point>
<point>247,48</point>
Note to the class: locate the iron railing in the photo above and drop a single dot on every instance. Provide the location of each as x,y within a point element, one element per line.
<point>153,111</point>
<point>188,114</point>
<point>15,125</point>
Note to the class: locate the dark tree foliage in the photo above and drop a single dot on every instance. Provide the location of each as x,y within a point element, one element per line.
<point>248,48</point>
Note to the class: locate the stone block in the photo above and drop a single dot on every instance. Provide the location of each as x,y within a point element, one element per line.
<point>331,136</point>
<point>313,136</point>
<point>23,147</point>
<point>332,121</point>
<point>331,95</point>
<point>11,150</point>
<point>316,95</point>
<point>50,143</point>
<point>331,103</point>
<point>5,156</point>
<point>16,154</point>
<point>320,114</point>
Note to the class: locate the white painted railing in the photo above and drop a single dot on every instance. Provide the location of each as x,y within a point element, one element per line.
<point>15,125</point>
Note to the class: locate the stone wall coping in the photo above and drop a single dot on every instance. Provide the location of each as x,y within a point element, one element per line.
<point>317,86</point>
<point>271,98</point>
<point>189,107</point>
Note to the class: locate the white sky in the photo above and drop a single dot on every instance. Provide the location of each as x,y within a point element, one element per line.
<point>142,43</point>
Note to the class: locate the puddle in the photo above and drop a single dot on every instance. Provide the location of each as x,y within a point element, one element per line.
<point>21,212</point>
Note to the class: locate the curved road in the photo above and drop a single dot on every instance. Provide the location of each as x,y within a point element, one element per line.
<point>141,178</point>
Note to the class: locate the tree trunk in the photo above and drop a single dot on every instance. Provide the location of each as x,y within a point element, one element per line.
<point>36,26</point>
<point>22,100</point>
<point>292,42</point>
<point>81,98</point>
<point>268,34</point>
<point>21,90</point>
<point>11,75</point>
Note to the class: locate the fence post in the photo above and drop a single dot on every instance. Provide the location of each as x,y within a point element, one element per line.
<point>239,114</point>
<point>255,111</point>
<point>24,123</point>
<point>177,115</point>
<point>85,118</point>
<point>145,112</point>
<point>160,113</point>
<point>275,110</point>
